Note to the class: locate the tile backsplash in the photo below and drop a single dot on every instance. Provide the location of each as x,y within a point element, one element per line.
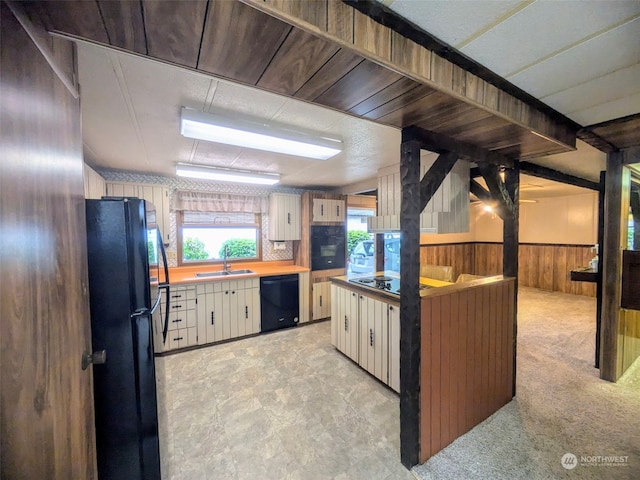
<point>268,251</point>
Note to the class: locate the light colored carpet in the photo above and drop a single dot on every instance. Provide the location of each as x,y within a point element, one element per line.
<point>561,406</point>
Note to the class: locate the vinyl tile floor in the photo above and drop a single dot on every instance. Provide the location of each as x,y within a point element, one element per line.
<point>285,405</point>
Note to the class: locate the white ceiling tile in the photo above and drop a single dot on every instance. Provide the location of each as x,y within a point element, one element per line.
<point>601,90</point>
<point>515,43</point>
<point>614,50</point>
<point>108,128</point>
<point>621,107</point>
<point>309,117</point>
<point>586,161</point>
<point>453,21</point>
<point>246,101</point>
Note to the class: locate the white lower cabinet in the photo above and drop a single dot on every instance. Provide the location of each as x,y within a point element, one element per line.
<point>366,329</point>
<point>394,347</point>
<point>374,336</point>
<point>182,327</point>
<point>228,309</point>
<point>321,307</point>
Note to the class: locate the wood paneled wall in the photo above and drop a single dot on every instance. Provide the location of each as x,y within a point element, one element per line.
<point>630,333</point>
<point>467,353</point>
<point>47,401</point>
<point>540,266</point>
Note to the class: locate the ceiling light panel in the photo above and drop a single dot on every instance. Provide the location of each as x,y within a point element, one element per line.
<point>226,175</point>
<point>242,133</point>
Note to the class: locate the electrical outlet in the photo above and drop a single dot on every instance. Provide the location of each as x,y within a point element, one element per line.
<point>279,246</point>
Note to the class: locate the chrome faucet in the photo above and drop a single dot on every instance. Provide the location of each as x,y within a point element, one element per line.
<point>225,256</point>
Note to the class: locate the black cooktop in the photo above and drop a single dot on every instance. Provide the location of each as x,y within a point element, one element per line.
<point>381,282</point>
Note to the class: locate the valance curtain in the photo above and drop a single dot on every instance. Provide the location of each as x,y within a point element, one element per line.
<point>218,202</point>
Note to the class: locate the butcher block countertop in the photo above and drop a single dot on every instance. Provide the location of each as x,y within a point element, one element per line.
<point>181,275</point>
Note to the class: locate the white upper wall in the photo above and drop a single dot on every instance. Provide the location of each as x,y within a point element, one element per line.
<point>563,220</point>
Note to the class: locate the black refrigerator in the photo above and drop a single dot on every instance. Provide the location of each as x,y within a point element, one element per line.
<point>128,277</point>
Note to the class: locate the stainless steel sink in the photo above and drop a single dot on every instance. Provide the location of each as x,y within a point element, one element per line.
<point>223,273</point>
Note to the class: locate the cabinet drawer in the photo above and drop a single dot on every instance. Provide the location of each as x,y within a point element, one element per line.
<point>182,319</point>
<point>181,338</point>
<point>182,305</point>
<point>178,295</point>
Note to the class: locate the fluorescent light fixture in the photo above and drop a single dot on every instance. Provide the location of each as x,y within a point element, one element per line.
<point>243,133</point>
<point>226,174</point>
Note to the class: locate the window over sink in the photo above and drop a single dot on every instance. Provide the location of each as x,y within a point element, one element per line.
<point>209,237</point>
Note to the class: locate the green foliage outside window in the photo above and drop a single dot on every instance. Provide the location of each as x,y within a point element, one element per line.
<point>355,236</point>
<point>238,248</point>
<point>193,249</point>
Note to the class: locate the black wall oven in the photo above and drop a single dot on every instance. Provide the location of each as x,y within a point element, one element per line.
<point>327,247</point>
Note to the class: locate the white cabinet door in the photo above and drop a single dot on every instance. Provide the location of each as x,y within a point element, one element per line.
<point>321,300</point>
<point>344,321</point>
<point>352,324</point>
<point>156,194</point>
<point>374,337</point>
<point>394,347</point>
<point>284,217</point>
<point>303,292</point>
<point>94,184</point>
<point>328,210</point>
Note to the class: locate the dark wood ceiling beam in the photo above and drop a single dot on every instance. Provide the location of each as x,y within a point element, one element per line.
<point>613,135</point>
<point>439,143</point>
<point>434,177</point>
<point>387,17</point>
<point>382,45</point>
<point>550,174</point>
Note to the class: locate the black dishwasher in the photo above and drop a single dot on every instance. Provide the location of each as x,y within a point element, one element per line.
<point>279,302</point>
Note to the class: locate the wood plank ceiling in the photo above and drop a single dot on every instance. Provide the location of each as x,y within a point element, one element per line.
<point>236,41</point>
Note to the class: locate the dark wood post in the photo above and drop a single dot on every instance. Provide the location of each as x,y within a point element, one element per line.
<point>611,268</point>
<point>510,241</point>
<point>410,304</point>
<point>600,266</point>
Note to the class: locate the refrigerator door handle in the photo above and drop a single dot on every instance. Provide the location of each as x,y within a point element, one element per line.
<point>165,328</point>
<point>164,257</point>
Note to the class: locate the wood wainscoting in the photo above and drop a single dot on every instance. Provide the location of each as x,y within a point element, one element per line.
<point>544,266</point>
<point>630,336</point>
<point>467,359</point>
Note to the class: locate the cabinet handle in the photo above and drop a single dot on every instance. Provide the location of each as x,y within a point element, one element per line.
<point>371,337</point>
<point>226,292</point>
<point>233,293</point>
<point>176,296</point>
<point>322,210</point>
<point>353,294</point>
<point>177,320</point>
<point>320,300</point>
<point>176,306</point>
<point>390,307</point>
<point>289,218</point>
<point>345,323</point>
<point>213,317</point>
<point>177,339</point>
<point>337,210</point>
<point>246,311</point>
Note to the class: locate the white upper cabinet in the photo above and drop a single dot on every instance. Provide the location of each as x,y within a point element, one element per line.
<point>94,184</point>
<point>328,210</point>
<point>284,217</point>
<point>446,212</point>
<point>156,194</point>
